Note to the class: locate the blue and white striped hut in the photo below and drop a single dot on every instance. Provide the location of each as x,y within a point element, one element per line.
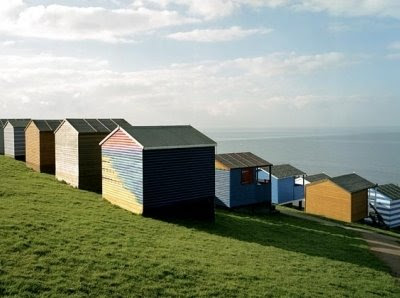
<point>386,199</point>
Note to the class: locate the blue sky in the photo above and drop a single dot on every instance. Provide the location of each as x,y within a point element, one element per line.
<point>210,63</point>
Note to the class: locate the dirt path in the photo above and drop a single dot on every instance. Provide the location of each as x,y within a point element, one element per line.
<point>384,247</point>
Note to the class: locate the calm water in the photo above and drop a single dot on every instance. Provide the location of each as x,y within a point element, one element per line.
<point>374,153</point>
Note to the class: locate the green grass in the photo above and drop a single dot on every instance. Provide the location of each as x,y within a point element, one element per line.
<point>59,241</point>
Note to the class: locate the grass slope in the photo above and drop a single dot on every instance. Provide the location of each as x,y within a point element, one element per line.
<point>57,241</point>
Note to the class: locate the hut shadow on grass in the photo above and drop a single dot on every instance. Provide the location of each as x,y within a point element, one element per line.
<point>290,234</point>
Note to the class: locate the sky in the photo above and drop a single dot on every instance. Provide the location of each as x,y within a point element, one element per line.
<point>209,63</point>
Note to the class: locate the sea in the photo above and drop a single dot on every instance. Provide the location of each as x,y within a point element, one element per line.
<point>373,153</point>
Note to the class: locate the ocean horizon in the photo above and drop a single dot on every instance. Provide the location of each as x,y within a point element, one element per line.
<point>372,152</point>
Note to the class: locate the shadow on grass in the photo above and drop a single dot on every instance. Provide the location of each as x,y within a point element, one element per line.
<point>290,234</point>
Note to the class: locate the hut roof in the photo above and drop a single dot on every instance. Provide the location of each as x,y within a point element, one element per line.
<point>3,122</point>
<point>241,160</point>
<point>47,125</point>
<point>167,137</point>
<point>286,170</point>
<point>352,182</point>
<point>96,125</point>
<point>21,123</point>
<point>390,190</point>
<point>317,177</point>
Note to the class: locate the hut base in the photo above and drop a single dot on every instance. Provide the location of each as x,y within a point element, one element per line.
<point>200,209</point>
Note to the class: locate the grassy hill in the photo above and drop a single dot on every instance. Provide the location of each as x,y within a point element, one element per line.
<point>56,240</point>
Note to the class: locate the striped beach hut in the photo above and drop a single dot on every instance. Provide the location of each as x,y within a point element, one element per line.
<point>14,138</point>
<point>159,169</point>
<point>287,183</point>
<point>237,182</point>
<point>78,154</point>
<point>386,200</point>
<point>40,145</point>
<point>343,198</point>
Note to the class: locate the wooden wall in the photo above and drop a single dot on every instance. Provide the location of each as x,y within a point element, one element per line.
<point>67,159</point>
<point>122,167</point>
<point>90,161</point>
<point>328,200</point>
<point>223,187</point>
<point>1,141</point>
<point>9,140</point>
<point>32,141</point>
<point>359,205</point>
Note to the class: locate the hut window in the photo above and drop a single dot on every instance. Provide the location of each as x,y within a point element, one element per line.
<point>247,176</point>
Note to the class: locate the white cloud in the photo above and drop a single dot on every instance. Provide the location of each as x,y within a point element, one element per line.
<point>210,9</point>
<point>216,35</point>
<point>84,23</point>
<point>395,45</point>
<point>393,56</point>
<point>49,86</point>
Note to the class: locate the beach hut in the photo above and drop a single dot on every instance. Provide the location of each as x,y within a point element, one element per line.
<point>14,138</point>
<point>286,182</point>
<point>237,182</point>
<point>156,169</point>
<point>40,145</point>
<point>343,198</point>
<point>78,154</point>
<point>386,200</point>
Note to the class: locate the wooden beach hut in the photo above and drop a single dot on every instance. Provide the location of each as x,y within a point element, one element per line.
<point>40,145</point>
<point>78,154</point>
<point>159,169</point>
<point>285,183</point>
<point>343,198</point>
<point>386,200</point>
<point>14,138</point>
<point>237,182</point>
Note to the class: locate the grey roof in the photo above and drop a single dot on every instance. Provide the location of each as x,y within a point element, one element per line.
<point>286,170</point>
<point>22,123</point>
<point>47,125</point>
<point>3,122</point>
<point>164,137</point>
<point>352,182</point>
<point>317,177</point>
<point>390,190</point>
<point>97,125</point>
<point>241,160</point>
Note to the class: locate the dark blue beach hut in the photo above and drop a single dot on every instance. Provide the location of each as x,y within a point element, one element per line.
<point>160,170</point>
<point>287,183</point>
<point>237,182</point>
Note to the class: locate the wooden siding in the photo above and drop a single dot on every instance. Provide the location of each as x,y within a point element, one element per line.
<point>90,161</point>
<point>248,194</point>
<point>9,140</point>
<point>1,141</point>
<point>359,205</point>
<point>329,200</point>
<point>67,159</point>
<point>174,176</point>
<point>47,152</point>
<point>222,187</point>
<point>122,168</point>
<point>388,208</point>
<point>32,140</point>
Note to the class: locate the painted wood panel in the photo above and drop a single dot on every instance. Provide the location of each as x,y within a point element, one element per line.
<point>328,200</point>
<point>67,159</point>
<point>32,140</point>
<point>122,168</point>
<point>178,175</point>
<point>47,152</point>
<point>19,143</point>
<point>359,205</point>
<point>9,140</point>
<point>222,187</point>
<point>1,141</point>
<point>90,162</point>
